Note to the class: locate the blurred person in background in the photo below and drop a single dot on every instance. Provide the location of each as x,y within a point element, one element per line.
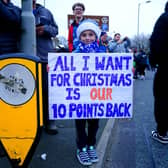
<point>103,42</point>
<point>118,45</point>
<point>46,28</point>
<point>141,64</point>
<point>78,10</point>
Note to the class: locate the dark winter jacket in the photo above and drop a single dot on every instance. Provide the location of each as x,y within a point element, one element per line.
<point>141,58</point>
<point>44,43</point>
<point>103,46</point>
<point>10,17</point>
<point>159,56</point>
<point>159,41</point>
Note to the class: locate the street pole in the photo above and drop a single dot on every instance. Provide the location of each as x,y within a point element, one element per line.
<point>139,5</point>
<point>28,38</point>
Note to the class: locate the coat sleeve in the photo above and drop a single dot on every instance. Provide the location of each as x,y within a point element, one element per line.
<point>112,46</point>
<point>51,29</point>
<point>70,38</point>
<point>127,43</point>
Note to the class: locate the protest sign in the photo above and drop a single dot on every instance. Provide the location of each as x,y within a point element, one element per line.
<point>90,85</point>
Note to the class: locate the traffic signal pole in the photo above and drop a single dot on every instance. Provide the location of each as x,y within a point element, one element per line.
<point>28,37</point>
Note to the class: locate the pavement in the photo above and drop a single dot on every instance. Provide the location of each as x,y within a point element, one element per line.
<point>121,143</point>
<point>60,149</point>
<point>130,144</point>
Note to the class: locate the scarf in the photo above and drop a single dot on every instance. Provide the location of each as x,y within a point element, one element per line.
<point>89,48</point>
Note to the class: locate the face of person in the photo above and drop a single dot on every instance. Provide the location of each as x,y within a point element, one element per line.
<point>87,37</point>
<point>117,37</point>
<point>5,1</point>
<point>78,11</point>
<point>104,38</point>
<point>34,4</point>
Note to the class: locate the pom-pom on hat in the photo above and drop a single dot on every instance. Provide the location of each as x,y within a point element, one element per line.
<point>88,25</point>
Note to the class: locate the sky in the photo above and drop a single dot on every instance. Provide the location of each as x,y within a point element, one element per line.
<point>123,14</point>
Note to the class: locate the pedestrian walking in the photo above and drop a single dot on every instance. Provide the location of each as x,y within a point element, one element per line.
<point>159,57</point>
<point>141,64</point>
<point>88,34</point>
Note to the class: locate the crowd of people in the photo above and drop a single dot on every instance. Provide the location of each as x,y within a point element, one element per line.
<point>85,36</point>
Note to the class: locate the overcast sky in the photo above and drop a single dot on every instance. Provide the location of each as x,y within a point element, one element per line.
<point>123,14</point>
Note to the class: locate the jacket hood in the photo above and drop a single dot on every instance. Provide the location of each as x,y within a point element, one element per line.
<point>39,6</point>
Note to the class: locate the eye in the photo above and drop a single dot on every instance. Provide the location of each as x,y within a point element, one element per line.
<point>84,35</point>
<point>91,34</point>
<point>78,9</point>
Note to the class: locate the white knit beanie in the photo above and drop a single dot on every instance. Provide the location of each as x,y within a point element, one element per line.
<point>88,25</point>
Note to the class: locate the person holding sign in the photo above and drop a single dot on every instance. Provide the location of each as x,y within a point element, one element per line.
<point>88,34</point>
